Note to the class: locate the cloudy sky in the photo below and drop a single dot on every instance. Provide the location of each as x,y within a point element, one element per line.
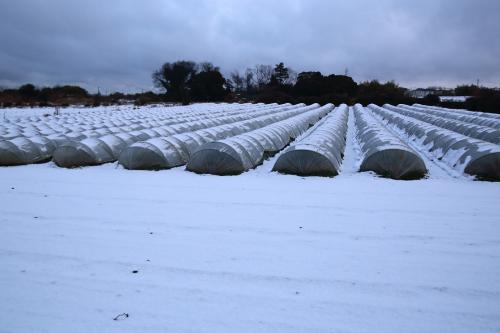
<point>116,44</point>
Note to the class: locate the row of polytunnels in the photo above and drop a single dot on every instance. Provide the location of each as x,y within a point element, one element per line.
<point>229,139</point>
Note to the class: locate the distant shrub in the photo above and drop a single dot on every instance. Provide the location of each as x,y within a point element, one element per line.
<point>431,100</point>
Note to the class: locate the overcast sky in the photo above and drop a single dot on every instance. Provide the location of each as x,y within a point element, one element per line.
<point>116,44</point>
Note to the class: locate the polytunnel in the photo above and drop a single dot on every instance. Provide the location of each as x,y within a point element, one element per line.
<point>21,151</point>
<point>47,143</point>
<point>172,151</point>
<point>320,152</point>
<point>465,116</point>
<point>26,143</point>
<point>466,128</point>
<point>243,152</point>
<point>54,126</point>
<point>383,152</point>
<point>465,154</point>
<point>461,111</point>
<point>99,150</point>
<point>105,121</point>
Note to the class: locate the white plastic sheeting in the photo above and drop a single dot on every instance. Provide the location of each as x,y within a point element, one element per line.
<point>472,156</point>
<point>105,149</point>
<point>108,121</point>
<point>478,118</point>
<point>243,152</point>
<point>320,151</point>
<point>171,151</point>
<point>31,140</point>
<point>383,152</point>
<point>20,150</point>
<point>466,128</point>
<point>461,111</point>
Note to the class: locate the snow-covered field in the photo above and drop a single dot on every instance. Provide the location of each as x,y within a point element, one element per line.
<point>259,252</point>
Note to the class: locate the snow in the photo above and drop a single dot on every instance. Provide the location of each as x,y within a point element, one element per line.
<point>257,252</point>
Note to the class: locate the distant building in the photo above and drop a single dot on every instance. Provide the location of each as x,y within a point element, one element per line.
<point>423,92</point>
<point>419,93</point>
<point>453,98</point>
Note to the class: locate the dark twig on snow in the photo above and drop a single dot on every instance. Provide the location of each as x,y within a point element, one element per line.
<point>121,316</point>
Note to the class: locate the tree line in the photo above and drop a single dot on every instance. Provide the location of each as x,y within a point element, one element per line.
<point>187,81</point>
<point>30,95</point>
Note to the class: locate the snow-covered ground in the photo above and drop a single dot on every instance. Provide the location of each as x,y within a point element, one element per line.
<point>259,252</point>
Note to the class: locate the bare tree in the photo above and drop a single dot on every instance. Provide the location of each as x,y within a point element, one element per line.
<point>237,81</point>
<point>292,77</point>
<point>263,74</point>
<point>249,79</point>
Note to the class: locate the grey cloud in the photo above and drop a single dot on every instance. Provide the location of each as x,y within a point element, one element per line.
<point>117,44</point>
